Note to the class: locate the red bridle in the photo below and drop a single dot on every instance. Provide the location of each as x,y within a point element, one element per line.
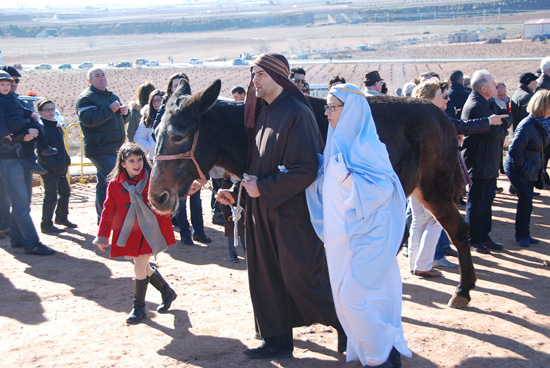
<point>186,156</point>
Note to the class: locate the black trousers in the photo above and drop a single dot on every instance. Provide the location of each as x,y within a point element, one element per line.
<point>54,185</point>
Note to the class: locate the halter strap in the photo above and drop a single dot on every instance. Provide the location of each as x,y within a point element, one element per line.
<point>186,156</point>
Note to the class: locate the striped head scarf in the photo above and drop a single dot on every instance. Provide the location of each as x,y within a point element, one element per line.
<point>277,67</point>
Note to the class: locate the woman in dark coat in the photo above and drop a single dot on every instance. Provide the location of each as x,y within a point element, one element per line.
<point>523,163</point>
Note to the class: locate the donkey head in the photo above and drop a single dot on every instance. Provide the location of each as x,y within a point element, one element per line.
<point>171,178</point>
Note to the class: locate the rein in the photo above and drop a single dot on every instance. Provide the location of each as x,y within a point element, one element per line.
<point>189,155</point>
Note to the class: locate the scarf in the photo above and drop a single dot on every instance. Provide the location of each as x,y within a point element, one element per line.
<point>277,67</point>
<point>544,123</point>
<point>146,218</point>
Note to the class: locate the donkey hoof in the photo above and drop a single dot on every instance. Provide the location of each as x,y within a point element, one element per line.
<point>458,301</point>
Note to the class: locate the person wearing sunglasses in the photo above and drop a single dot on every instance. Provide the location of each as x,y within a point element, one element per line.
<point>298,76</point>
<point>357,207</point>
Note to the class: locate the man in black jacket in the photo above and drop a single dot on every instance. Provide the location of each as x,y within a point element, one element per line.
<point>457,94</point>
<point>102,118</point>
<point>55,181</point>
<point>482,154</point>
<point>520,99</point>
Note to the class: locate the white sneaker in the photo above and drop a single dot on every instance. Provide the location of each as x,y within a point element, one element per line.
<point>405,251</point>
<point>443,262</point>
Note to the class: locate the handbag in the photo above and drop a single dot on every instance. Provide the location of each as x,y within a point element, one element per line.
<point>541,183</point>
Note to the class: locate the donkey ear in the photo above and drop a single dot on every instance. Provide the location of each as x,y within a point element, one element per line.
<point>206,99</point>
<point>183,89</point>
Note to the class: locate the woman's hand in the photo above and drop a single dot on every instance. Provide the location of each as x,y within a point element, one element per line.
<point>338,168</point>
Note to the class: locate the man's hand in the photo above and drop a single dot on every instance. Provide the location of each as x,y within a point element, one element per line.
<point>35,116</point>
<point>115,106</point>
<point>8,137</point>
<point>251,186</point>
<point>195,187</point>
<point>123,110</point>
<point>497,119</point>
<point>224,197</point>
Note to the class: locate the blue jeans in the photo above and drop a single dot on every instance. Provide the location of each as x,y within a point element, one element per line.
<point>104,165</point>
<point>479,209</point>
<point>524,189</point>
<point>442,243</point>
<point>18,181</point>
<point>196,216</point>
<point>54,185</point>
<point>4,207</point>
<point>231,245</point>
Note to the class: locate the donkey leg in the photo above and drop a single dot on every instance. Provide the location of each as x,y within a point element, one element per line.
<point>448,216</point>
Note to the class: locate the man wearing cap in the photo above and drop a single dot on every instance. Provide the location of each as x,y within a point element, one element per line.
<point>373,84</point>
<point>102,118</point>
<point>520,99</point>
<point>287,269</point>
<point>543,82</point>
<point>16,178</point>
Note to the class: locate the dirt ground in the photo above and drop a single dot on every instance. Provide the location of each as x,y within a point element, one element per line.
<point>69,309</point>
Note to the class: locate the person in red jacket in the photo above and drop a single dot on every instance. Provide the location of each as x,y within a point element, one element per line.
<point>138,231</point>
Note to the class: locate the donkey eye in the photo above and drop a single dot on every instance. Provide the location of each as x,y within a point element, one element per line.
<point>176,138</point>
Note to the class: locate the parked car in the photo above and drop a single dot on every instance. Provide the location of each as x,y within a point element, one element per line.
<point>195,61</point>
<point>141,61</point>
<point>123,64</point>
<point>240,62</point>
<point>43,66</point>
<point>32,98</point>
<point>152,63</point>
<point>18,66</point>
<point>65,66</point>
<point>86,65</point>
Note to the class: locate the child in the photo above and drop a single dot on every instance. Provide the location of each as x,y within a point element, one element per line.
<point>227,183</point>
<point>138,232</point>
<point>14,120</point>
<point>55,181</point>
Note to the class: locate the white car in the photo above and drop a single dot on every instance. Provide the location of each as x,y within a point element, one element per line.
<point>195,61</point>
<point>240,62</point>
<point>86,65</point>
<point>31,99</point>
<point>43,66</point>
<point>152,63</point>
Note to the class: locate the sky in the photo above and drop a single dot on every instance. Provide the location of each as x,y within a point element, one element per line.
<point>84,3</point>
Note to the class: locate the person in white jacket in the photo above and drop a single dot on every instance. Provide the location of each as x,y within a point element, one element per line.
<point>144,132</point>
<point>357,207</point>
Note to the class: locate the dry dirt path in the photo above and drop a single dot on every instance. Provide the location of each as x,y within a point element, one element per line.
<point>69,310</point>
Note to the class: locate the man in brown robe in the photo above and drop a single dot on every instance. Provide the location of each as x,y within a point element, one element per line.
<point>287,268</point>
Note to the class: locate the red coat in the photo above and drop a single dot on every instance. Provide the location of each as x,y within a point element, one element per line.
<point>114,212</point>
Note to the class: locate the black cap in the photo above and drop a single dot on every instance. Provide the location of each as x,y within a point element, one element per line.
<point>373,76</point>
<point>10,70</point>
<point>526,78</point>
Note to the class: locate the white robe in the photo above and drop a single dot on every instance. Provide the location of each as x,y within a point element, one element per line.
<point>362,228</point>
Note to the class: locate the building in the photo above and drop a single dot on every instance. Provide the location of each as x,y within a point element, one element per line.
<point>463,37</point>
<point>536,27</point>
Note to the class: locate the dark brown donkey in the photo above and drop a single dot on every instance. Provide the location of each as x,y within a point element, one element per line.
<point>198,132</point>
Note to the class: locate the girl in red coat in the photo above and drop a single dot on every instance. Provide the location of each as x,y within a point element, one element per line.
<point>138,231</point>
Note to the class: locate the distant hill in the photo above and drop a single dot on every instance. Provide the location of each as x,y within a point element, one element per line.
<point>73,25</point>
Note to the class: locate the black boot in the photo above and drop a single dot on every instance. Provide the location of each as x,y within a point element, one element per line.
<point>168,294</point>
<point>138,310</point>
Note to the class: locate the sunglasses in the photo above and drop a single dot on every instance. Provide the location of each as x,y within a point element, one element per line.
<point>332,108</point>
<point>17,81</point>
<point>48,110</point>
<point>298,80</point>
